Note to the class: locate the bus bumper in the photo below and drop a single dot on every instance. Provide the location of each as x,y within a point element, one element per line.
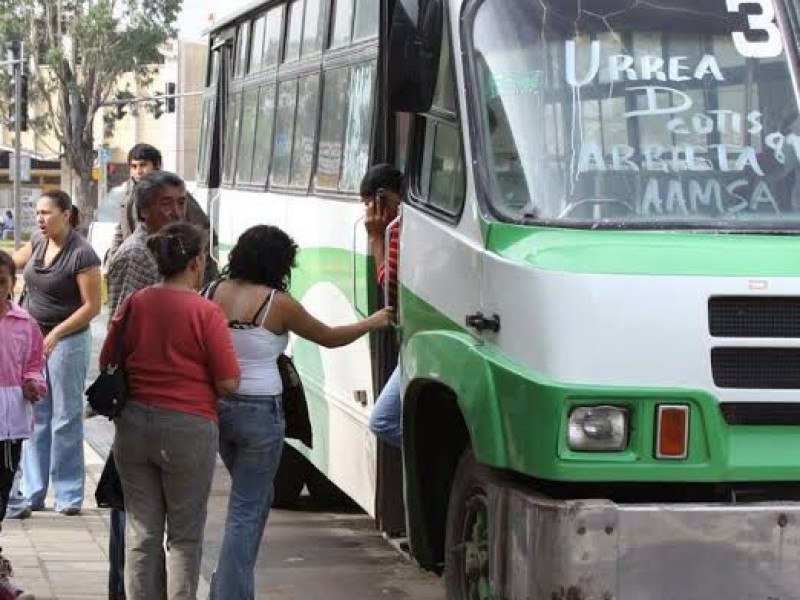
<point>544,549</point>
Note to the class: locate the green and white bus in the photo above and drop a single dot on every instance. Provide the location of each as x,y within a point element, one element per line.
<point>599,316</point>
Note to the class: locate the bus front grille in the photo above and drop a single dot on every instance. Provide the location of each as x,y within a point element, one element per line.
<point>761,413</point>
<point>749,316</point>
<point>756,368</point>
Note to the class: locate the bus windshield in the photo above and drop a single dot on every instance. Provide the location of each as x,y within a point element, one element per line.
<point>638,114</point>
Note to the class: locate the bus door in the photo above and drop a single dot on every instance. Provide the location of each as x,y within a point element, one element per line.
<point>388,131</point>
<point>213,131</point>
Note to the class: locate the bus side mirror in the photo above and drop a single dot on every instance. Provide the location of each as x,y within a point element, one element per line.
<point>415,40</point>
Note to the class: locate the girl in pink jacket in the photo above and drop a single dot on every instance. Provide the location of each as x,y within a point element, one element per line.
<point>21,383</point>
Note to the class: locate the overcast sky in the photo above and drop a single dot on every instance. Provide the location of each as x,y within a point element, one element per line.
<point>194,18</point>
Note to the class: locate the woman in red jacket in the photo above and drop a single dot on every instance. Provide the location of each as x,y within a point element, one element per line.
<point>179,359</point>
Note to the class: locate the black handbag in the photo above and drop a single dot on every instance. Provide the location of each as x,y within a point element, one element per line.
<point>295,407</point>
<point>109,392</point>
<point>109,492</point>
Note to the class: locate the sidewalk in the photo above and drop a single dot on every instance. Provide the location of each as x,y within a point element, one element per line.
<point>65,558</point>
<point>59,557</point>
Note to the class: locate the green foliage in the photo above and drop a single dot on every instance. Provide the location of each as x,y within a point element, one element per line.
<point>83,47</point>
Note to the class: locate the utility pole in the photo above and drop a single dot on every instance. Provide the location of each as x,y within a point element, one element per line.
<point>102,156</point>
<point>17,64</point>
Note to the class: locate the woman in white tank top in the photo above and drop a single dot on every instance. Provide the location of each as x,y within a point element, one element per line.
<point>260,315</point>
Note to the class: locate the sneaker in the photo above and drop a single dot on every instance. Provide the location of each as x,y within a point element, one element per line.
<point>70,511</point>
<point>23,513</point>
<point>8,591</point>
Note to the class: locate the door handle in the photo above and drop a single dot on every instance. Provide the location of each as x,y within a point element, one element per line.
<point>481,323</point>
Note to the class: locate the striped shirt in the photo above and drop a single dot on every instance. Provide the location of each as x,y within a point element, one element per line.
<point>132,268</point>
<point>388,270</point>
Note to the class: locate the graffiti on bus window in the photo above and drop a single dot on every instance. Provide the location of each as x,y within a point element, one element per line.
<point>359,126</point>
<point>736,176</point>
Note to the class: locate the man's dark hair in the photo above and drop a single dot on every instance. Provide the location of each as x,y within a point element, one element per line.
<point>264,255</point>
<point>148,186</point>
<point>384,176</point>
<point>9,214</point>
<point>145,152</point>
<point>175,246</point>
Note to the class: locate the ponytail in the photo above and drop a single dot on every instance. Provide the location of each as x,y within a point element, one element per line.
<point>74,217</point>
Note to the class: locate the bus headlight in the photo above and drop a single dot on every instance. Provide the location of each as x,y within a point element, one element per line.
<point>598,429</point>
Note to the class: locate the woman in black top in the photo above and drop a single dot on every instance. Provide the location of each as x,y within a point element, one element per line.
<point>62,276</point>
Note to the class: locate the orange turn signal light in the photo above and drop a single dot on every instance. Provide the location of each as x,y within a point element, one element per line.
<point>672,431</point>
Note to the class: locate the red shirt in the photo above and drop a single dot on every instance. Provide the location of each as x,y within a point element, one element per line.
<point>388,270</point>
<point>176,346</point>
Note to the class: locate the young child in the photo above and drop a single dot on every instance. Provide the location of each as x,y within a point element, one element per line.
<point>21,383</point>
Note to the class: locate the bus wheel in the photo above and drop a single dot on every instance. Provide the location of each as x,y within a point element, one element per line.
<point>323,492</point>
<point>290,478</point>
<point>467,561</point>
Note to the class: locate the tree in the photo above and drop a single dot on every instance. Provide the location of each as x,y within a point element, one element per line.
<point>79,49</point>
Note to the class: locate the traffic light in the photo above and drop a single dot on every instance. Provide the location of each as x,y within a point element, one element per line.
<point>23,104</point>
<point>158,105</point>
<point>119,108</point>
<point>170,97</point>
<point>13,52</point>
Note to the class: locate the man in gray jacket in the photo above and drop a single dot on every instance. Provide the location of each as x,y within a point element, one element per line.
<point>143,159</point>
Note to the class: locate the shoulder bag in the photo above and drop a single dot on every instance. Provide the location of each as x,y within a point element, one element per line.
<point>109,392</point>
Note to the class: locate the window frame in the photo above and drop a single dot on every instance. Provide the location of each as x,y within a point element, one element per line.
<point>418,146</point>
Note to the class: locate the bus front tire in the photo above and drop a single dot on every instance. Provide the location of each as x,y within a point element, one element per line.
<point>290,478</point>
<point>467,559</point>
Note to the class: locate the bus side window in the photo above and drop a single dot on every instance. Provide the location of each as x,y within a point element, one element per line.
<point>305,132</point>
<point>366,21</point>
<point>441,173</point>
<point>244,163</point>
<point>332,125</point>
<point>284,133</point>
<point>346,129</point>
<point>232,122</point>
<point>263,142</point>
<point>294,31</point>
<point>242,49</point>
<point>359,126</point>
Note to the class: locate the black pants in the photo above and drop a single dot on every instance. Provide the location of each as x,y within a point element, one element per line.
<point>10,452</point>
<point>116,556</point>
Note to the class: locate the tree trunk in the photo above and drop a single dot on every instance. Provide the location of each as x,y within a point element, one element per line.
<point>84,195</point>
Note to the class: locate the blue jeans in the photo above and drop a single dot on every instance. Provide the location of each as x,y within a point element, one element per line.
<point>251,432</point>
<point>386,418</point>
<point>55,450</point>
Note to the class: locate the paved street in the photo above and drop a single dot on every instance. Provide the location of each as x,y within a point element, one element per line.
<point>306,554</point>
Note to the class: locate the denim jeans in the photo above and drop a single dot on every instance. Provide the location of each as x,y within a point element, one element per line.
<point>386,418</point>
<point>55,450</point>
<point>251,430</point>
<point>166,462</point>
